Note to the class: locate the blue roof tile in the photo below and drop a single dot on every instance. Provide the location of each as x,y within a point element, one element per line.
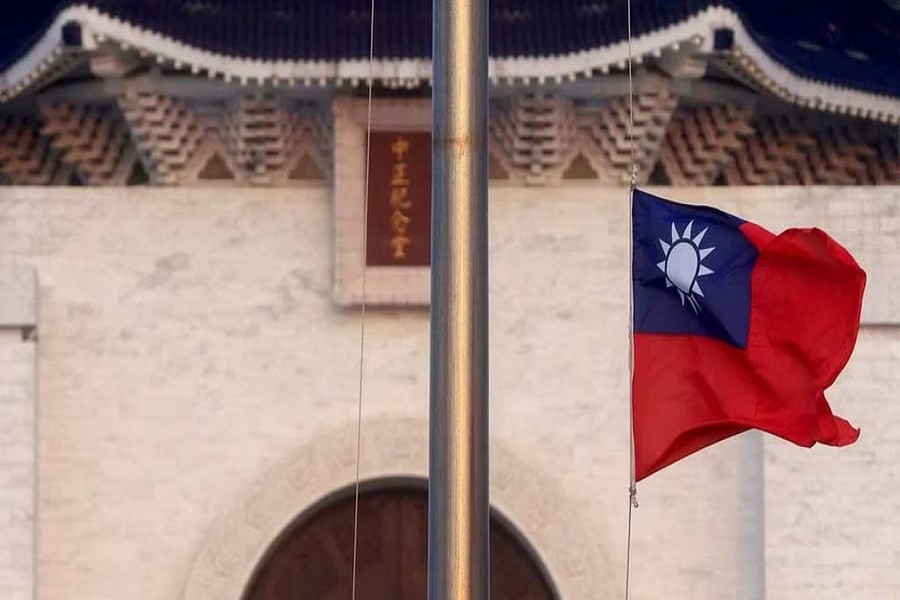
<point>848,43</point>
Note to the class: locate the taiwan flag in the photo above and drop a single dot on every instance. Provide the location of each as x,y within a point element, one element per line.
<point>735,328</point>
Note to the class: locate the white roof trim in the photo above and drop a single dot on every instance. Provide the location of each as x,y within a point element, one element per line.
<point>698,30</point>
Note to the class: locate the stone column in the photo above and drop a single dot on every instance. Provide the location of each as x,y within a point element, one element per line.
<point>18,319</point>
<point>751,580</point>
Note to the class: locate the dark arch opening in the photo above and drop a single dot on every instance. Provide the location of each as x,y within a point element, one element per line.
<point>312,558</point>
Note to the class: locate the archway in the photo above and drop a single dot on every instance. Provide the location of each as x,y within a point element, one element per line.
<point>312,559</point>
<point>564,534</point>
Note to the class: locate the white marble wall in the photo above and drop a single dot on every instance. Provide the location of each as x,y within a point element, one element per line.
<point>193,365</point>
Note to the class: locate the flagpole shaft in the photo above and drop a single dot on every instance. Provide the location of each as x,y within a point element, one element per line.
<point>458,512</point>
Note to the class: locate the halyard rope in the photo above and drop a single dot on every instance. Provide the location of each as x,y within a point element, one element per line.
<point>362,318</point>
<point>632,487</point>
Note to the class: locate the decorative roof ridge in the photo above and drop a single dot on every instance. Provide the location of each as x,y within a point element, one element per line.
<point>54,51</point>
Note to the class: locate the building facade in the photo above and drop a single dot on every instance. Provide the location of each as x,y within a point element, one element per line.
<point>181,255</point>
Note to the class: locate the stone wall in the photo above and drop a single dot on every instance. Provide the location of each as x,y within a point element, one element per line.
<point>193,367</point>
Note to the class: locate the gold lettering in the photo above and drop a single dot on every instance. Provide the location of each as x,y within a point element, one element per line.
<point>400,198</point>
<point>399,243</point>
<point>399,222</point>
<point>400,147</point>
<point>399,177</point>
<point>400,201</point>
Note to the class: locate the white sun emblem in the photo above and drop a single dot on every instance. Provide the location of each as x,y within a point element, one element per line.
<point>683,265</point>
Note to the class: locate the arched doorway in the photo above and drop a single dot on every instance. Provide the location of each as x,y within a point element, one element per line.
<point>312,560</point>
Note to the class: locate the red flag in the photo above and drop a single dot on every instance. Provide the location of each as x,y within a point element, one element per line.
<point>735,328</point>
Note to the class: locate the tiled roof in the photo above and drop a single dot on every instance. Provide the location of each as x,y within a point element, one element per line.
<point>849,44</point>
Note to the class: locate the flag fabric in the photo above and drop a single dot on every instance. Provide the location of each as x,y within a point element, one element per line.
<point>734,329</point>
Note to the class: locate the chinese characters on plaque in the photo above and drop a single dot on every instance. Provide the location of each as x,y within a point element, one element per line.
<point>399,212</point>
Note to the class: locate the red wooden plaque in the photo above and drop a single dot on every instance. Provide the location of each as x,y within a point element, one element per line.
<point>399,219</point>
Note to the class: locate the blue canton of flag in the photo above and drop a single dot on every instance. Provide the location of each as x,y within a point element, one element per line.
<point>692,269</point>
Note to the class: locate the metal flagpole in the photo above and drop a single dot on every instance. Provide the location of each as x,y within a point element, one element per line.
<point>458,513</point>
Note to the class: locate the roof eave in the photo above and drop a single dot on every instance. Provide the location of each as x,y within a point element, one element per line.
<point>51,56</point>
